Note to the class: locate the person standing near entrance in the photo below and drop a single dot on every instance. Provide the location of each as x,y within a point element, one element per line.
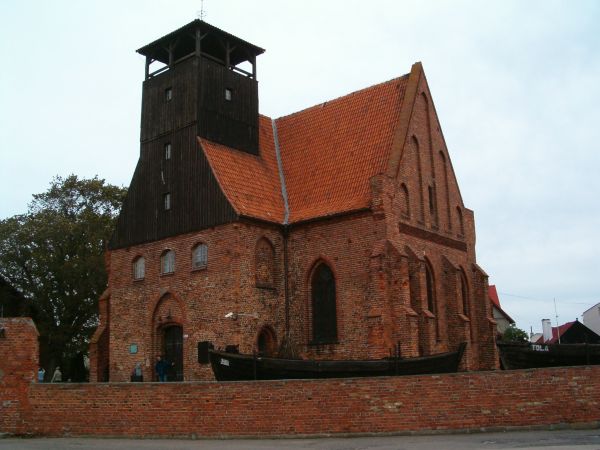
<point>57,377</point>
<point>160,368</point>
<point>41,374</point>
<point>136,373</point>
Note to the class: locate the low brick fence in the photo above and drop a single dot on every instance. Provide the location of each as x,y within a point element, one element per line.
<point>462,401</point>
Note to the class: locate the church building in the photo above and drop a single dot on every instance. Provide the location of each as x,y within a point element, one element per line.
<point>335,232</point>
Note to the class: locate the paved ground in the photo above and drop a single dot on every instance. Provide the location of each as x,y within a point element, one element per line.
<point>547,440</point>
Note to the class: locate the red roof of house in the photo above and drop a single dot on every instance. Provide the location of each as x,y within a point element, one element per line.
<point>328,153</point>
<point>493,295</point>
<point>555,332</point>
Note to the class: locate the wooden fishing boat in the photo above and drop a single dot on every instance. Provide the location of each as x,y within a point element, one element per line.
<point>528,355</point>
<point>231,366</point>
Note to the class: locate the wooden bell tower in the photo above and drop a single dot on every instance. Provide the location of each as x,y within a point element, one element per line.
<point>200,74</point>
<point>200,81</point>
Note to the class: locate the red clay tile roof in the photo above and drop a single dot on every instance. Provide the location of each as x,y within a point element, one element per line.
<point>493,295</point>
<point>329,152</point>
<point>555,331</point>
<point>251,183</point>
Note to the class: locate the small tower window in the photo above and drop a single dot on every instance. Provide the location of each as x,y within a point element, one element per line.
<point>168,150</point>
<point>167,201</point>
<point>168,94</point>
<point>228,93</point>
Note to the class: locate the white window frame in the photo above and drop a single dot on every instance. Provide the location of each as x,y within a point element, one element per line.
<point>199,256</point>
<point>139,268</point>
<point>167,262</point>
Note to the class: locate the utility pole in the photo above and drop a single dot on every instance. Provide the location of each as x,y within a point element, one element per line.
<point>557,325</point>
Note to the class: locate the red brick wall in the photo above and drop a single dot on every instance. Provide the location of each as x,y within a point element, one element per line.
<point>198,300</point>
<point>463,401</point>
<point>367,255</point>
<point>386,405</point>
<point>18,368</point>
<point>345,244</point>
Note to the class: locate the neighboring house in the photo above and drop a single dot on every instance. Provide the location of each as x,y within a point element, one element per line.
<point>503,320</point>
<point>336,232</point>
<point>12,302</point>
<point>535,337</point>
<point>569,333</point>
<point>591,318</point>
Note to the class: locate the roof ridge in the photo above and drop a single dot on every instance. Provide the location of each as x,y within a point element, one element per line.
<point>342,97</point>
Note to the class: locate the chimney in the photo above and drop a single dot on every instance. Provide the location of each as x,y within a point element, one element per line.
<point>546,329</point>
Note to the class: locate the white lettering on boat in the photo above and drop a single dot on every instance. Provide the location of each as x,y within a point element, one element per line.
<point>539,348</point>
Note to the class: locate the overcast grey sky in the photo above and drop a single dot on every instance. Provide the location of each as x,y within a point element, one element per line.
<point>516,85</point>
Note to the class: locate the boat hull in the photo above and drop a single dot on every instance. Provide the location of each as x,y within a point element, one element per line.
<point>233,367</point>
<point>528,355</point>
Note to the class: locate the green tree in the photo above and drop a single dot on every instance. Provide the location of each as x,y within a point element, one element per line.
<point>514,334</point>
<point>54,256</point>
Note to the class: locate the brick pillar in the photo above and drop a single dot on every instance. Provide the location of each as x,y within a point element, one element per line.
<point>99,343</point>
<point>485,340</point>
<point>19,359</point>
<point>377,308</point>
<point>408,319</point>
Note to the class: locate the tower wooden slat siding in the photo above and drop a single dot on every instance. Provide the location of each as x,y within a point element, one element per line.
<point>181,101</point>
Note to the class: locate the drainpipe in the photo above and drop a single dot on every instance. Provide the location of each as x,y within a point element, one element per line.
<point>286,283</point>
<point>285,231</point>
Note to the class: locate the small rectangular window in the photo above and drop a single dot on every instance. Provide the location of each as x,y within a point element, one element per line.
<point>139,268</point>
<point>228,94</point>
<point>167,199</point>
<point>167,262</point>
<point>200,256</point>
<point>168,150</point>
<point>168,94</point>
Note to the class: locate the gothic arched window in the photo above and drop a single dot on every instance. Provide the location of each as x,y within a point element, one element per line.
<point>265,264</point>
<point>464,294</point>
<point>431,300</point>
<point>461,222</point>
<point>404,201</point>
<point>324,318</point>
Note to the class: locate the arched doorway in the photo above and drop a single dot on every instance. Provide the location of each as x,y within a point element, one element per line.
<point>266,342</point>
<point>173,351</point>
